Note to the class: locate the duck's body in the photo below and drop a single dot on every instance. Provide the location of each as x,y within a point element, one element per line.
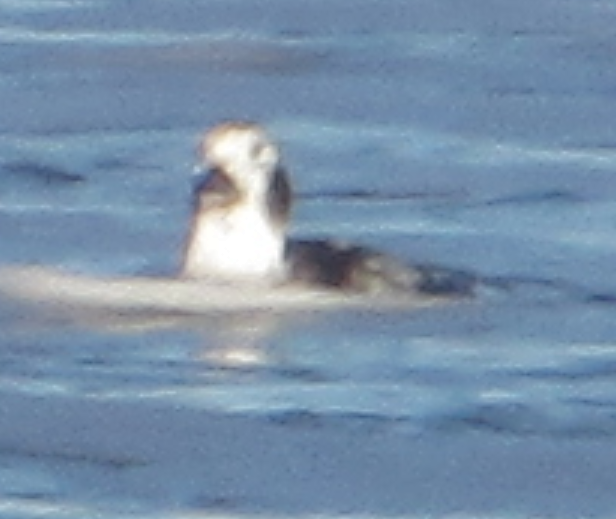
<point>239,229</point>
<point>238,250</point>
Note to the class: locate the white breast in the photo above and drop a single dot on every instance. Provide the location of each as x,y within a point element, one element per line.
<point>236,243</point>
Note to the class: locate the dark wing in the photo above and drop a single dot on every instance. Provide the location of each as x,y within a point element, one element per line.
<point>361,269</point>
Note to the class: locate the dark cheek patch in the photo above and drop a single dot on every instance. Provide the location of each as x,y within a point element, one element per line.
<point>280,197</point>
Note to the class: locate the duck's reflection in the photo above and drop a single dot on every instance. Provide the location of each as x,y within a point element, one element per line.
<point>242,341</point>
<point>225,340</point>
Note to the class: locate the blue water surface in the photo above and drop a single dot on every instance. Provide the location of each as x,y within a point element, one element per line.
<point>478,137</point>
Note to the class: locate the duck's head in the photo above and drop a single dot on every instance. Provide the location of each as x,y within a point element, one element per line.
<point>244,166</point>
<point>244,154</point>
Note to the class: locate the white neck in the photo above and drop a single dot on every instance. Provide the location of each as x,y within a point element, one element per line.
<point>235,243</point>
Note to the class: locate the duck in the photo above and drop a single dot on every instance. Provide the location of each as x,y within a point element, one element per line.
<point>239,229</point>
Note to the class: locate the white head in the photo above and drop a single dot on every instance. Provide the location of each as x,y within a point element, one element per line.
<point>244,153</point>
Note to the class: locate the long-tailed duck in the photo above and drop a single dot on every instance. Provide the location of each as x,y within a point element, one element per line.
<point>239,228</point>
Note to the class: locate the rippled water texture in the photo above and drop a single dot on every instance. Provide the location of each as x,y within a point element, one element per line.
<point>477,136</point>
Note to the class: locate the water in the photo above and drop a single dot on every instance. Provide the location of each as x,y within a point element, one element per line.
<point>479,138</point>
